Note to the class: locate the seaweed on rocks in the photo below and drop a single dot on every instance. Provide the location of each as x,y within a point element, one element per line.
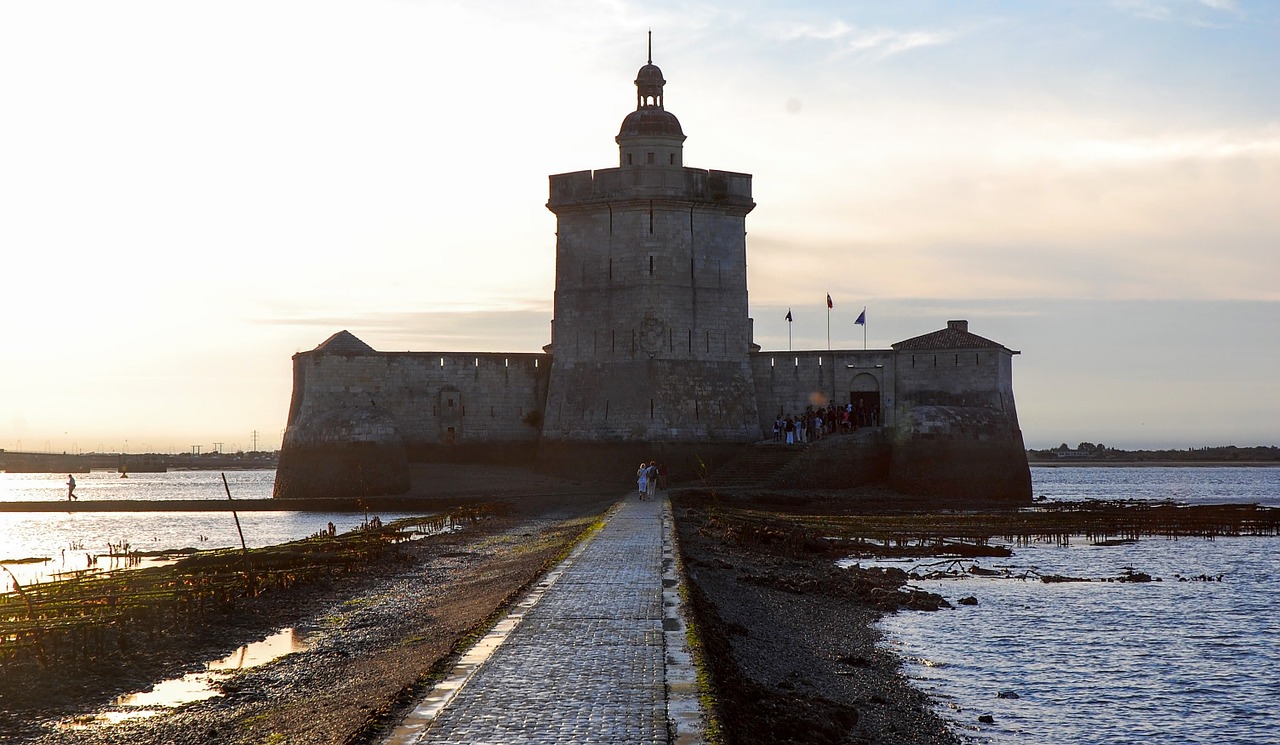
<point>789,636</point>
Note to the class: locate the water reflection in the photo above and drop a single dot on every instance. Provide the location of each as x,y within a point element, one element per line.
<point>199,686</point>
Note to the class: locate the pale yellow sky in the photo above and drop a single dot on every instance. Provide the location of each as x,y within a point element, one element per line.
<point>193,192</point>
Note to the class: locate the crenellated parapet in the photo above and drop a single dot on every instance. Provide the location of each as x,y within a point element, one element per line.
<point>706,188</point>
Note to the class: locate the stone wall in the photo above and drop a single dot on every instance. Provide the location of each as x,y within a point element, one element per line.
<point>787,382</point>
<point>932,383</point>
<point>651,333</point>
<point>650,401</point>
<point>435,398</point>
<point>957,432</point>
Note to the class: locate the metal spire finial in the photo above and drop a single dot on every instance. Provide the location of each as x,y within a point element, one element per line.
<point>651,46</point>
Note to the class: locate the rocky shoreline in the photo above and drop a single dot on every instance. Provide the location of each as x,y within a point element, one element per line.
<point>790,638</point>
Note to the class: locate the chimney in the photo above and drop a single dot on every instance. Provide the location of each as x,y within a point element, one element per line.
<point>958,326</point>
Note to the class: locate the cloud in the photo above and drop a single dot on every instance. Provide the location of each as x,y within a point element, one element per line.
<point>1179,11</point>
<point>1032,205</point>
<point>520,329</point>
<point>870,43</point>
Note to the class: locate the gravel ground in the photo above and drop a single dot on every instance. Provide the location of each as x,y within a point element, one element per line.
<point>790,641</point>
<point>374,639</point>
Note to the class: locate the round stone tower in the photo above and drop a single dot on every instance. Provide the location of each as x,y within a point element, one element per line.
<point>651,337</point>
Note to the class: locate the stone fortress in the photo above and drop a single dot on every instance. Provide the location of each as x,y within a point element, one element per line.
<point>652,356</point>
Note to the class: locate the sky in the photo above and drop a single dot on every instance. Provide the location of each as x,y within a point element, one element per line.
<point>192,192</point>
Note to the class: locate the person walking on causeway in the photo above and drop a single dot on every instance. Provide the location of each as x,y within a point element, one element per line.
<point>651,479</point>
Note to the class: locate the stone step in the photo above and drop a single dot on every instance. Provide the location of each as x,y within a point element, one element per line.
<point>755,465</point>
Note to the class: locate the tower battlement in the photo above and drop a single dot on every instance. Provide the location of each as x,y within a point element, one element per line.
<point>726,188</point>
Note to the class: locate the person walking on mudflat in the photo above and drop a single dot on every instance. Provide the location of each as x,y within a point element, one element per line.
<point>71,488</point>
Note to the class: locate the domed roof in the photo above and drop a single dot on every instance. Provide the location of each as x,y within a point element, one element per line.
<point>651,121</point>
<point>650,74</point>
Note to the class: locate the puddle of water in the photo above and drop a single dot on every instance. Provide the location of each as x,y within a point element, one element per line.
<point>198,686</point>
<point>173,692</point>
<point>279,644</point>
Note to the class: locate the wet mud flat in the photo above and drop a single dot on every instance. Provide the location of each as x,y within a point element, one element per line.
<point>375,637</point>
<point>788,637</point>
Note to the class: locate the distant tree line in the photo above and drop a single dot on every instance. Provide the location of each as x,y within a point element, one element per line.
<point>1225,453</point>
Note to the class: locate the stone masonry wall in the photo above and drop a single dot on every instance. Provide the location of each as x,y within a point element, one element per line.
<point>787,382</point>
<point>653,401</point>
<point>959,379</point>
<point>651,333</point>
<point>482,398</point>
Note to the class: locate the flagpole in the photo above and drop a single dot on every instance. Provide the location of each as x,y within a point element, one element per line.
<point>864,328</point>
<point>788,333</point>
<point>828,322</point>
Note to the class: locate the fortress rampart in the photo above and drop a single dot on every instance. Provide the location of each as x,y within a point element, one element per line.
<point>435,398</point>
<point>651,356</point>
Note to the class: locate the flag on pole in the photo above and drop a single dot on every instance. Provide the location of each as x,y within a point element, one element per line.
<point>788,315</point>
<point>862,318</point>
<point>829,304</point>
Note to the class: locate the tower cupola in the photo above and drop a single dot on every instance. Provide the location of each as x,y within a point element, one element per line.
<point>649,84</point>
<point>650,135</point>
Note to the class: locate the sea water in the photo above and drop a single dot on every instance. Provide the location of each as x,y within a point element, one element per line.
<point>1192,658</point>
<point>70,541</point>
<point>108,484</point>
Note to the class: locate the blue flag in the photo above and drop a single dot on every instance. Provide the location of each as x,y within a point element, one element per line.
<point>862,318</point>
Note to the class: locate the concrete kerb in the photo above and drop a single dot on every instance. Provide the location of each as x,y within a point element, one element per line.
<point>686,722</point>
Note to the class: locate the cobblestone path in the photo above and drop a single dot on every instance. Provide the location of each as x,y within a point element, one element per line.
<point>586,658</point>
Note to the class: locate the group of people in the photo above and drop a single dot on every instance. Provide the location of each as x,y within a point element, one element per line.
<point>651,477</point>
<point>814,424</point>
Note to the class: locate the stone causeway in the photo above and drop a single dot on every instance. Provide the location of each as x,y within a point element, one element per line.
<point>595,653</point>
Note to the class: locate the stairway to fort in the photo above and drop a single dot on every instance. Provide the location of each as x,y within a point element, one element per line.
<point>755,465</point>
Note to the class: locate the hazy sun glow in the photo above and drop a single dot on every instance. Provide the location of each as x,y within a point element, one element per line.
<point>193,193</point>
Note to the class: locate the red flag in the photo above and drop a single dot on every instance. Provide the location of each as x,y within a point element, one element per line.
<point>829,305</point>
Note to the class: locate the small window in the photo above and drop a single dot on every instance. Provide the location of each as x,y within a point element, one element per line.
<point>648,158</point>
<point>673,159</point>
<point>629,159</point>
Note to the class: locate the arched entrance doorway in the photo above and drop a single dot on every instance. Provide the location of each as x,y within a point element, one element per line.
<point>864,396</point>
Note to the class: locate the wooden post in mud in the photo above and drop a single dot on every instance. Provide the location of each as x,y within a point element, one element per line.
<point>243,547</point>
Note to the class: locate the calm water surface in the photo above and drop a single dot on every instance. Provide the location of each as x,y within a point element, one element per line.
<point>95,485</point>
<point>70,539</point>
<point>1161,662</point>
